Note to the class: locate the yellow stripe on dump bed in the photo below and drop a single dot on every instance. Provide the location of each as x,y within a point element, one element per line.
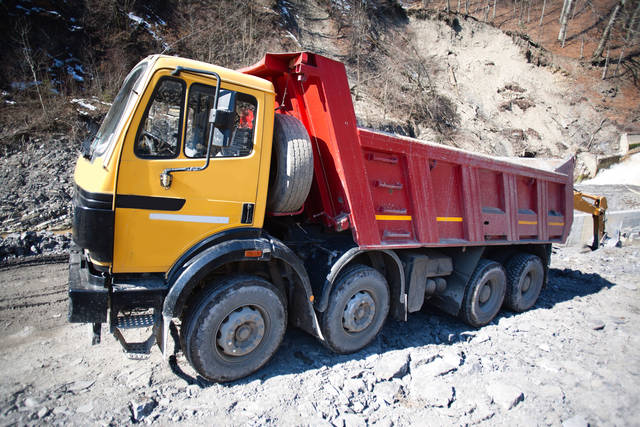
<point>393,217</point>
<point>449,218</point>
<point>528,222</point>
<point>557,223</point>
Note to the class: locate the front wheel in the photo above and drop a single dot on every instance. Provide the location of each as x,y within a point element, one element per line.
<point>358,307</point>
<point>235,328</point>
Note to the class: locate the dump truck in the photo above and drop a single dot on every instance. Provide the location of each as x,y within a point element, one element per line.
<point>227,205</point>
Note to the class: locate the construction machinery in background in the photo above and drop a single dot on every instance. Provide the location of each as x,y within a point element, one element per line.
<point>597,207</point>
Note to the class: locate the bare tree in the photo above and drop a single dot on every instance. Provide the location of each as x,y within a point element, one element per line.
<point>632,21</point>
<point>607,31</point>
<point>26,50</point>
<point>494,8</point>
<point>562,35</point>
<point>606,65</point>
<point>564,9</point>
<point>544,6</point>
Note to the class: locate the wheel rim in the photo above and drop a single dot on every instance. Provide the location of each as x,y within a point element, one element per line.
<point>526,283</point>
<point>485,293</point>
<point>241,331</point>
<point>488,296</point>
<point>359,312</point>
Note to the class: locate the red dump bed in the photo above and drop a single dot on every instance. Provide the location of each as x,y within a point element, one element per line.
<point>400,192</point>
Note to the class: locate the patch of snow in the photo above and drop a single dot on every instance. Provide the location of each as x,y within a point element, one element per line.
<point>83,103</point>
<point>37,10</point>
<point>626,172</point>
<point>9,102</point>
<point>292,37</point>
<point>284,11</point>
<point>342,4</point>
<point>139,21</point>
<point>73,72</point>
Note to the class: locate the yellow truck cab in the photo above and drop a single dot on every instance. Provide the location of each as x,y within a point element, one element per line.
<point>159,121</point>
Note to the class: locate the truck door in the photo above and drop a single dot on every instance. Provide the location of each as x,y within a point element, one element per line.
<point>154,225</point>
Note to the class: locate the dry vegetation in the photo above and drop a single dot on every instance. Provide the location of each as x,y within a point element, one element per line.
<point>58,51</point>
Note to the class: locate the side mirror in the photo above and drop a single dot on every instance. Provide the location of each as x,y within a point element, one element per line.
<point>222,119</point>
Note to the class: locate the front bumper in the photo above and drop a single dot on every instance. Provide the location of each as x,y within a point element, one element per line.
<point>88,290</point>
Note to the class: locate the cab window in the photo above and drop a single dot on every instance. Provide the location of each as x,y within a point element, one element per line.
<point>159,135</point>
<point>234,142</point>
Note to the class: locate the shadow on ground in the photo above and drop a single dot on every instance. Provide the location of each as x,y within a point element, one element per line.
<point>301,352</point>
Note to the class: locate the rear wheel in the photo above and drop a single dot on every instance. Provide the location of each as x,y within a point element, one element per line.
<point>358,307</point>
<point>484,294</point>
<point>525,276</point>
<point>235,328</point>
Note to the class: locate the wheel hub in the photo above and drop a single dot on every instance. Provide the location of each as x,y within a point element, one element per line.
<point>241,332</point>
<point>485,293</point>
<point>526,283</point>
<point>359,312</point>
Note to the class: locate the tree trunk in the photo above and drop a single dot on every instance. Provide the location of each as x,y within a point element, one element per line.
<point>606,64</point>
<point>486,11</point>
<point>494,8</point>
<point>615,73</point>
<point>565,20</point>
<point>607,31</point>
<point>564,9</point>
<point>582,48</point>
<point>466,7</point>
<point>544,5</point>
<point>448,6</point>
<point>632,22</point>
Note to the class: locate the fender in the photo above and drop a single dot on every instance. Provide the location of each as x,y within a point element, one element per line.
<point>234,233</point>
<point>198,266</point>
<point>400,309</point>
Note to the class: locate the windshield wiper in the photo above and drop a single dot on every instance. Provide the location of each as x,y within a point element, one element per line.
<point>85,148</point>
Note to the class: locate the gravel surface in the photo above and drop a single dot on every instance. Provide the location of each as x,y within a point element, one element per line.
<point>570,360</point>
<point>37,185</point>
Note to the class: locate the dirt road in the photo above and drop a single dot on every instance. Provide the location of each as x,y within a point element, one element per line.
<point>572,359</point>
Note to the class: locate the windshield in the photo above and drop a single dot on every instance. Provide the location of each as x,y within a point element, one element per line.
<point>106,132</point>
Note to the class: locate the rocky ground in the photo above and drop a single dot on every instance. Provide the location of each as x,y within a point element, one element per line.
<point>571,360</point>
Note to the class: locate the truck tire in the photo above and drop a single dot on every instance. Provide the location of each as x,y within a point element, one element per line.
<point>291,165</point>
<point>235,328</point>
<point>484,294</point>
<point>358,307</point>
<point>525,275</point>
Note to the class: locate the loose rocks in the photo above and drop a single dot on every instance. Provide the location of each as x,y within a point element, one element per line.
<point>504,395</point>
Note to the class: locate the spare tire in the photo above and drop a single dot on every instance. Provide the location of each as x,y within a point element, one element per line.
<point>291,165</point>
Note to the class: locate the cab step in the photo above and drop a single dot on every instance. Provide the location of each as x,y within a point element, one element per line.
<point>135,350</point>
<point>135,321</point>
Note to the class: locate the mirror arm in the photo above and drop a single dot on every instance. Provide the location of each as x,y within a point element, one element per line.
<point>165,177</point>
